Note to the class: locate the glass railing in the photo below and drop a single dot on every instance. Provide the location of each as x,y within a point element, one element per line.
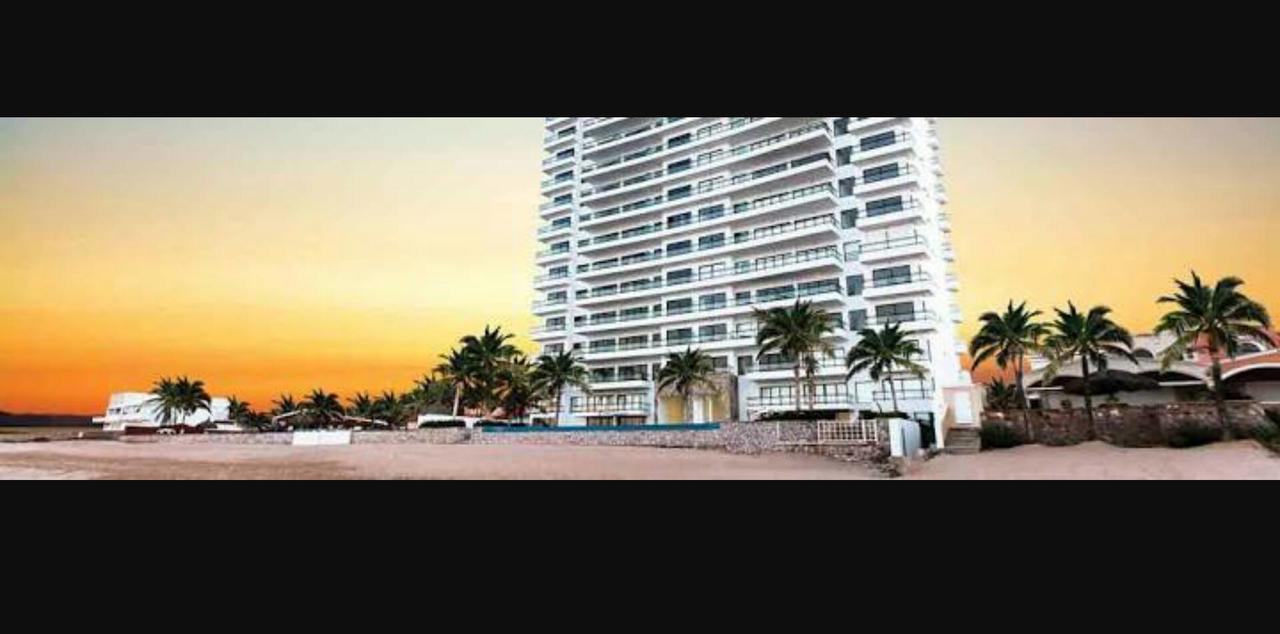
<point>741,268</point>
<point>614,318</point>
<point>732,154</point>
<point>723,184</point>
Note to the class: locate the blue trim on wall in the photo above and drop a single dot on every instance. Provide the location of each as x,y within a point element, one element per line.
<point>621,428</point>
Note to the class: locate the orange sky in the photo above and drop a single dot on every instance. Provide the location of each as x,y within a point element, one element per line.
<point>280,255</point>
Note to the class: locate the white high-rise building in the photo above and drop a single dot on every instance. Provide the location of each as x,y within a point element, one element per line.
<point>664,233</point>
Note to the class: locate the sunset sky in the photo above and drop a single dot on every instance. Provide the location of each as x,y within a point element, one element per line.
<point>279,255</point>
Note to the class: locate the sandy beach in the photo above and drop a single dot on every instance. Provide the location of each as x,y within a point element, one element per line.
<point>133,461</point>
<point>1243,460</point>
<point>162,461</point>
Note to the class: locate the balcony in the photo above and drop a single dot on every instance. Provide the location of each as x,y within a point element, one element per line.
<point>744,271</point>
<point>864,184</point>
<point>799,199</point>
<point>743,182</point>
<point>916,282</point>
<point>744,152</point>
<point>617,320</point>
<point>890,247</point>
<point>653,153</point>
<point>787,402</point>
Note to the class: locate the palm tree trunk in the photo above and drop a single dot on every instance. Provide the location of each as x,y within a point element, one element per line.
<point>457,398</point>
<point>559,397</point>
<point>893,393</point>
<point>1025,401</point>
<point>1220,400</point>
<point>1088,398</point>
<point>799,389</point>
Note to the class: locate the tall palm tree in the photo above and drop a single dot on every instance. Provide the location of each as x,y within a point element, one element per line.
<point>192,397</point>
<point>322,407</point>
<point>883,353</point>
<point>460,370</point>
<point>489,351</point>
<point>1091,337</point>
<point>685,371</point>
<point>554,373</point>
<point>1213,319</point>
<point>797,333</point>
<point>166,401</point>
<point>1009,337</point>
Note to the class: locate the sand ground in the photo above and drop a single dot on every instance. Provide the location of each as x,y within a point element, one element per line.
<point>1244,460</point>
<point>131,461</point>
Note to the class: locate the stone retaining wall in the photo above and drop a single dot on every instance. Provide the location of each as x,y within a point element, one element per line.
<point>1128,425</point>
<point>740,438</point>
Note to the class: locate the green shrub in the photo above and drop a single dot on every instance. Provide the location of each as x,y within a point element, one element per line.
<point>1193,434</point>
<point>1000,436</point>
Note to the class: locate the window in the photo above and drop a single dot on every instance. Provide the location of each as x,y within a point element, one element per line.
<point>717,332</point>
<point>679,306</point>
<point>679,336</point>
<point>713,301</point>
<point>891,276</point>
<point>683,276</point>
<point>710,242</point>
<point>710,213</point>
<point>884,206</point>
<point>878,141</point>
<point>884,172</point>
<point>679,166</point>
<point>857,319</point>
<point>895,313</point>
<point>680,192</point>
<point>679,248</point>
<point>854,283</point>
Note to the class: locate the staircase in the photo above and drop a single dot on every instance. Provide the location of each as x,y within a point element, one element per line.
<point>963,441</point>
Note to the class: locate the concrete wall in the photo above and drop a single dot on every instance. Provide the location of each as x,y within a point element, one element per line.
<point>1128,426</point>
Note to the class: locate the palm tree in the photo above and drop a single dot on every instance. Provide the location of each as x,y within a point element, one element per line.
<point>797,333</point>
<point>685,371</point>
<point>191,397</point>
<point>362,405</point>
<point>1091,337</point>
<point>284,405</point>
<point>239,412</point>
<point>388,407</point>
<point>1215,320</point>
<point>879,353</point>
<point>553,373</point>
<point>1001,395</point>
<point>515,387</point>
<point>460,370</point>
<point>166,400</point>
<point>489,351</point>
<point>1008,338</point>
<point>322,407</point>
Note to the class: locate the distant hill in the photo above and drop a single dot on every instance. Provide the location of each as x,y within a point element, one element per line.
<point>43,420</point>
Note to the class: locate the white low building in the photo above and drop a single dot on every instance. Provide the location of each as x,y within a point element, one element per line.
<point>138,409</point>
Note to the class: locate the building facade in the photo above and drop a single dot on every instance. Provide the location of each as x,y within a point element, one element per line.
<point>661,234</point>
<point>138,409</point>
<point>1253,375</point>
